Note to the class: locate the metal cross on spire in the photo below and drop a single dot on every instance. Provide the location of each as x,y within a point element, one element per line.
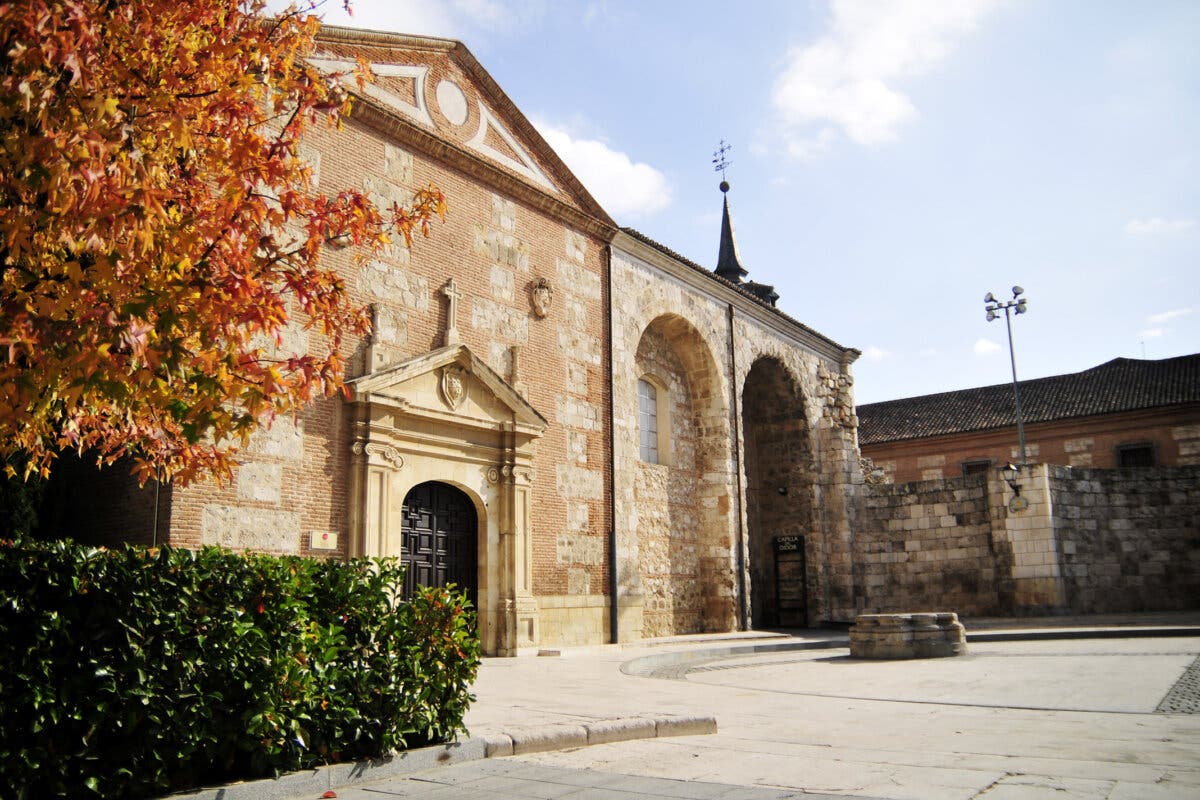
<point>720,163</point>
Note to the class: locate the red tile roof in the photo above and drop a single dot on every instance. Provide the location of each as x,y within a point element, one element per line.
<point>1123,384</point>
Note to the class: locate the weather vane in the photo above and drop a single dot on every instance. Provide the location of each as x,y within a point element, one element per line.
<point>720,163</point>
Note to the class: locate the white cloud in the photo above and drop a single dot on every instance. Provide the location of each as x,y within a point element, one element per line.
<point>985,347</point>
<point>873,353</point>
<point>847,80</point>
<point>1151,333</point>
<point>1167,316</point>
<point>621,186</point>
<point>1156,226</point>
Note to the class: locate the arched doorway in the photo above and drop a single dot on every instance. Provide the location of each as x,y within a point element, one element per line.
<point>780,486</point>
<point>439,534</point>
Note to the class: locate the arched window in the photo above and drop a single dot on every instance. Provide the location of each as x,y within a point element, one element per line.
<point>653,422</point>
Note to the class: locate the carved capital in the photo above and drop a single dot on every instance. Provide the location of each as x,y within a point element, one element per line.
<point>383,455</point>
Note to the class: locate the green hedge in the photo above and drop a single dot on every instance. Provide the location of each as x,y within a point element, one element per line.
<point>134,672</point>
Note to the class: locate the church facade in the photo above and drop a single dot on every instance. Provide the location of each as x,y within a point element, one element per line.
<point>594,437</point>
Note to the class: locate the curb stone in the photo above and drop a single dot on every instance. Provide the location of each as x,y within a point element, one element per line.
<point>313,782</point>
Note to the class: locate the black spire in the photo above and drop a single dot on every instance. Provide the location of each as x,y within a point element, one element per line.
<point>729,264</point>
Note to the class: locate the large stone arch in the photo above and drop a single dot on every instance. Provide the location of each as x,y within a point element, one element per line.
<point>781,497</point>
<point>681,521</point>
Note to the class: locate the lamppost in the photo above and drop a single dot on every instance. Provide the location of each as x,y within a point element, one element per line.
<point>992,305</point>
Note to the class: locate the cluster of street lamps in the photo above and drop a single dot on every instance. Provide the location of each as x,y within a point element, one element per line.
<point>1015,306</point>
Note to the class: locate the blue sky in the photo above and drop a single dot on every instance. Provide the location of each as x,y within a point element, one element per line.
<point>892,162</point>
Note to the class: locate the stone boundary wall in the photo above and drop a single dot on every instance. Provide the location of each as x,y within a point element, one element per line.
<point>1128,540</point>
<point>926,546</point>
<point>1089,541</point>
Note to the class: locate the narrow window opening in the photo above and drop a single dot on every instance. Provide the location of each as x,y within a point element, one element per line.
<point>648,421</point>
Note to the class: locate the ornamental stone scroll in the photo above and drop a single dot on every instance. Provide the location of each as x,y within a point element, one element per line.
<point>383,455</point>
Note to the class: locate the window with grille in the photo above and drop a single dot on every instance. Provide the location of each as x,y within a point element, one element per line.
<point>976,466</point>
<point>1135,455</point>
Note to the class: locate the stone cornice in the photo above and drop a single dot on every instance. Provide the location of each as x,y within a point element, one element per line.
<point>400,129</point>
<point>750,308</point>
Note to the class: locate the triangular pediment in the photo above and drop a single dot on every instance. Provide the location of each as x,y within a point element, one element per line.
<point>437,86</point>
<point>450,384</point>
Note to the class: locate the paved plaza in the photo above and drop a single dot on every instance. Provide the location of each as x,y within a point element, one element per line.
<point>1112,717</point>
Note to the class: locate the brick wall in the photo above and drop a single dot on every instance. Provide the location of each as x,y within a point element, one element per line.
<point>294,480</point>
<point>1128,540</point>
<point>1173,433</point>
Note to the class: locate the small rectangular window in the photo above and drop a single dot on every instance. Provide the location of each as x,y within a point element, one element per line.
<point>976,466</point>
<point>648,421</point>
<point>1135,455</point>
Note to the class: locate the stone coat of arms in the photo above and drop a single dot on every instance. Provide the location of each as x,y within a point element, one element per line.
<point>454,385</point>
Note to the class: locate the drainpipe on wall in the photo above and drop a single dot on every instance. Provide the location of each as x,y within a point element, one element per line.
<point>743,616</point>
<point>613,600</point>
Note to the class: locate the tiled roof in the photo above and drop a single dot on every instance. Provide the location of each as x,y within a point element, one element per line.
<point>1123,384</point>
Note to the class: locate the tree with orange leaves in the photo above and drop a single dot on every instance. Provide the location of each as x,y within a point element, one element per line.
<point>158,230</point>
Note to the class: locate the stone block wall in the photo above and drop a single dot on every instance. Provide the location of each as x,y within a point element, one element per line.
<point>1080,541</point>
<point>925,546</point>
<point>669,531</point>
<point>1128,540</point>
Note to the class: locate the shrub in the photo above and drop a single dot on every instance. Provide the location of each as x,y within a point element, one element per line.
<point>136,671</point>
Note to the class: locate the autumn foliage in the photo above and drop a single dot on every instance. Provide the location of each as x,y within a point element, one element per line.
<point>159,230</point>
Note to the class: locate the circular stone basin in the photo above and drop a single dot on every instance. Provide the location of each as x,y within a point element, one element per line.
<point>926,634</point>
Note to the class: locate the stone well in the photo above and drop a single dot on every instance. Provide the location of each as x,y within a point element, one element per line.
<point>908,635</point>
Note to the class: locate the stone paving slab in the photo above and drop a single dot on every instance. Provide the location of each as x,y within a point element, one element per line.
<point>518,779</point>
<point>777,740</point>
<point>981,726</point>
<point>497,743</point>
